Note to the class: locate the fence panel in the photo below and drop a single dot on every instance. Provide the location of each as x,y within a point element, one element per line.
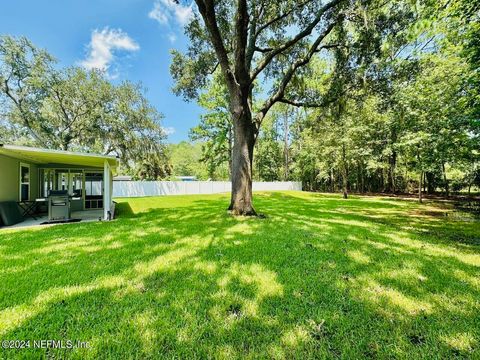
<point>158,188</point>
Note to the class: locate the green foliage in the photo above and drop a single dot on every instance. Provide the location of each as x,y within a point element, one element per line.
<point>268,162</point>
<point>215,130</point>
<point>436,113</point>
<point>185,159</point>
<point>408,110</point>
<point>305,155</point>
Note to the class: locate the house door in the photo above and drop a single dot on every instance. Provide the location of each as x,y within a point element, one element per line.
<point>93,190</point>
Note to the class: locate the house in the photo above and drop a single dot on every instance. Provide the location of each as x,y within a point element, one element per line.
<point>186,178</point>
<point>28,174</point>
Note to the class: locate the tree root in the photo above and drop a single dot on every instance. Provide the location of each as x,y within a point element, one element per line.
<point>246,212</point>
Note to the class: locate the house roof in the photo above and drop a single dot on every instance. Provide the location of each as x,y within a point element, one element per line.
<point>47,156</point>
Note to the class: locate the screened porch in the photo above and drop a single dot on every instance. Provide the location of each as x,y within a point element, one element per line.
<point>33,176</point>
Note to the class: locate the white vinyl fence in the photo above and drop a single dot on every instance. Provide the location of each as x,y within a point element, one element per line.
<point>156,188</point>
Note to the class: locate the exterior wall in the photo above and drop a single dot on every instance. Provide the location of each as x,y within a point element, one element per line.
<point>156,188</point>
<point>9,179</point>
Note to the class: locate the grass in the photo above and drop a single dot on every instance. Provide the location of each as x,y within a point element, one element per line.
<point>177,277</point>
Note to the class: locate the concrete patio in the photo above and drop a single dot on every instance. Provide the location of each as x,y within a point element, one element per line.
<point>85,216</point>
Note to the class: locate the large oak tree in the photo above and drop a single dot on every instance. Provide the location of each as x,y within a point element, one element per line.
<point>253,42</point>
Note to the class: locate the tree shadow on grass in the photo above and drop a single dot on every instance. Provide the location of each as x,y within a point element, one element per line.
<point>319,277</point>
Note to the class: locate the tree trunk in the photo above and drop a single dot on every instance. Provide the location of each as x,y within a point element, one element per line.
<point>230,150</point>
<point>344,178</point>
<point>382,180</point>
<point>393,165</point>
<point>429,182</point>
<point>357,185</point>
<point>445,179</point>
<point>363,179</point>
<point>420,184</point>
<point>344,173</point>
<point>426,182</point>
<point>285,145</point>
<point>332,181</point>
<point>242,161</point>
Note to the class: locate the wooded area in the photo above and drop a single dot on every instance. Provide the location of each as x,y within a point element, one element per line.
<point>366,96</point>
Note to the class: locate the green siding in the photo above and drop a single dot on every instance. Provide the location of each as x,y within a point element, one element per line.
<point>9,179</point>
<point>9,173</point>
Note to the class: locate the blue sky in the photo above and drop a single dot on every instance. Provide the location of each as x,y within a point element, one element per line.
<point>130,39</point>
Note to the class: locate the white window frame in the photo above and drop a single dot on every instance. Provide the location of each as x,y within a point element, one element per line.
<point>24,165</point>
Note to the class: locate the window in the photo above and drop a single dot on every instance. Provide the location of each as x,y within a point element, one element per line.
<point>24,182</point>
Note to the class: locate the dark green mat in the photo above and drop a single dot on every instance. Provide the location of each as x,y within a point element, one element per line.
<point>10,213</point>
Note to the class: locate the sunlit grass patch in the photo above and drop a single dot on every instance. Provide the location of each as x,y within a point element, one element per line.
<point>463,342</point>
<point>178,277</point>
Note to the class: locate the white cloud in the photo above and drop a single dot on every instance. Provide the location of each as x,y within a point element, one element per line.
<point>169,130</point>
<point>102,46</point>
<point>157,13</point>
<point>172,37</point>
<point>164,11</point>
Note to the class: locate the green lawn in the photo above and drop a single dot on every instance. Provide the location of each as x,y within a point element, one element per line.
<point>177,277</point>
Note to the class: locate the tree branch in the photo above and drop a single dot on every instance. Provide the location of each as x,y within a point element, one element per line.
<point>301,103</point>
<point>62,108</point>
<point>214,68</point>
<point>280,17</point>
<point>301,35</point>
<point>331,46</point>
<point>279,94</point>
<point>207,10</point>
<point>241,37</point>
<point>326,101</point>
<point>263,50</point>
<point>251,34</point>
<point>23,113</point>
